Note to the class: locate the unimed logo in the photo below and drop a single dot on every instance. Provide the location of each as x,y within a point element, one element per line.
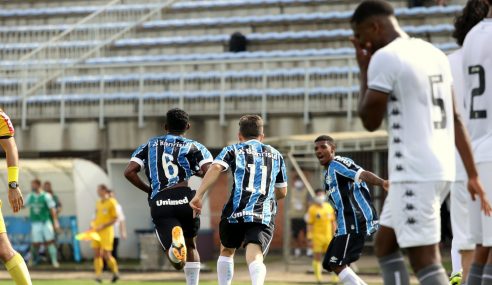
<point>170,202</point>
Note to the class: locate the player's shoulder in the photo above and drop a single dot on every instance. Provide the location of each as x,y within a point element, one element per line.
<point>345,161</point>
<point>113,202</point>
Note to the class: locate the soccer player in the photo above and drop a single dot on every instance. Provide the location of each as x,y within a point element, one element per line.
<point>320,219</point>
<point>345,184</point>
<point>477,69</point>
<point>13,261</point>
<point>248,217</point>
<point>105,218</point>
<point>44,222</point>
<point>169,162</point>
<point>410,80</point>
<point>462,246</point>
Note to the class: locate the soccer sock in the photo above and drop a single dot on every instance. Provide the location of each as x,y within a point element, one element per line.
<point>317,269</point>
<point>487,275</point>
<point>34,254</point>
<point>17,269</point>
<point>257,271</point>
<point>348,277</point>
<point>53,253</point>
<point>394,270</point>
<point>455,259</point>
<point>98,266</point>
<point>112,264</point>
<point>192,273</point>
<point>475,274</point>
<point>433,275</point>
<point>225,270</point>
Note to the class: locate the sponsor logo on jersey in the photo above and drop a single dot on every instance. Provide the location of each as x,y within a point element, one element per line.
<point>259,154</point>
<point>246,213</point>
<point>170,202</point>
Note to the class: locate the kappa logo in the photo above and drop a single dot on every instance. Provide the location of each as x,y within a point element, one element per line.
<point>170,202</point>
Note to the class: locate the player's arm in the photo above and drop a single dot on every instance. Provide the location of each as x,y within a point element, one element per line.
<point>131,174</point>
<point>280,193</point>
<point>204,158</point>
<point>462,142</point>
<point>122,225</point>
<point>373,179</point>
<point>281,181</point>
<point>16,200</point>
<point>50,202</point>
<point>211,177</point>
<point>112,212</point>
<point>308,218</point>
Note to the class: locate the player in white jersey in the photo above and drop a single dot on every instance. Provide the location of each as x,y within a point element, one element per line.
<point>462,246</point>
<point>477,69</point>
<point>410,80</point>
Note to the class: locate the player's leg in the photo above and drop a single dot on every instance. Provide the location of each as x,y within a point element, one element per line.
<point>257,239</point>
<point>190,231</point>
<point>390,259</point>
<point>36,240</point>
<point>13,261</point>
<point>112,263</point>
<point>319,246</point>
<point>231,238</point>
<point>49,237</point>
<point>484,169</point>
<point>164,233</point>
<point>98,260</point>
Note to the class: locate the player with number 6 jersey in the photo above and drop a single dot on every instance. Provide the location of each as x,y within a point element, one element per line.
<point>248,218</point>
<point>169,162</point>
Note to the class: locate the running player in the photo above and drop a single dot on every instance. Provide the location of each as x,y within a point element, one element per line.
<point>477,68</point>
<point>345,184</point>
<point>412,80</point>
<point>462,246</point>
<point>248,218</point>
<point>169,162</point>
<point>320,219</point>
<point>103,224</point>
<point>13,261</point>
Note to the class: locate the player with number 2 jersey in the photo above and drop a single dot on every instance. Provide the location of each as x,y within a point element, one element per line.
<point>169,161</point>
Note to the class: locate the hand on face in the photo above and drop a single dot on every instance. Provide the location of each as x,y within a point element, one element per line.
<point>363,53</point>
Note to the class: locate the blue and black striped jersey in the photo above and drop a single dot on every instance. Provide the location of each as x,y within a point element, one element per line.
<point>169,160</point>
<point>257,170</point>
<point>349,197</point>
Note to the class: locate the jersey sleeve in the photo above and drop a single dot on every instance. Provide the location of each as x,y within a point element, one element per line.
<point>347,167</point>
<point>310,216</point>
<point>202,155</point>
<point>383,71</point>
<point>6,126</point>
<point>113,212</point>
<point>140,155</point>
<point>50,202</point>
<point>281,179</point>
<point>226,157</point>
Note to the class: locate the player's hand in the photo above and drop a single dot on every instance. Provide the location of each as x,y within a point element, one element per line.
<point>15,199</point>
<point>362,53</point>
<point>56,226</point>
<point>123,236</point>
<point>475,188</point>
<point>196,205</point>
<point>386,185</point>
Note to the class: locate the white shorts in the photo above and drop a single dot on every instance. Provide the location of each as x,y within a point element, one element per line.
<point>480,225</point>
<point>460,219</point>
<point>413,211</point>
<point>42,232</point>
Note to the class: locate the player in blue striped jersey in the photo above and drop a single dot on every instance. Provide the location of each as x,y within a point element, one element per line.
<point>248,217</point>
<point>345,185</point>
<point>169,162</point>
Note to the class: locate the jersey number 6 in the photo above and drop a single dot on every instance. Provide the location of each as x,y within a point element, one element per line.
<point>170,169</point>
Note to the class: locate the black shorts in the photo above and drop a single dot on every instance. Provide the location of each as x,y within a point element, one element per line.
<point>344,250</point>
<point>297,225</point>
<point>233,235</point>
<point>170,208</point>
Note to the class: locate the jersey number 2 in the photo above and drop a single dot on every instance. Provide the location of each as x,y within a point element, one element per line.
<point>437,100</point>
<point>478,91</point>
<point>251,182</point>
<point>170,169</point>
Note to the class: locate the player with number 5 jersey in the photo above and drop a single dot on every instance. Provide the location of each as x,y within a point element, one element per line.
<point>169,162</point>
<point>248,218</point>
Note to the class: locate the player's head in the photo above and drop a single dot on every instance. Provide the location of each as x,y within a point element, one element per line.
<point>473,12</point>
<point>251,127</point>
<point>47,187</point>
<point>372,23</point>
<point>320,196</point>
<point>36,185</point>
<point>324,149</point>
<point>177,121</point>
<point>103,191</point>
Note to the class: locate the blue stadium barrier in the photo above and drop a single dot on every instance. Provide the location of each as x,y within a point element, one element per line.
<point>19,233</point>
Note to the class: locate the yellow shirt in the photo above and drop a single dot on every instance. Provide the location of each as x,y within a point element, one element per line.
<point>6,127</point>
<point>320,217</point>
<point>105,211</point>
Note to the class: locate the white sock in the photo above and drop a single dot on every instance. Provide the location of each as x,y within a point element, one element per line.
<point>192,273</point>
<point>257,271</point>
<point>348,277</point>
<point>455,259</point>
<point>225,270</point>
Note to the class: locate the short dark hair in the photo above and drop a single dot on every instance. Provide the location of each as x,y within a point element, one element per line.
<point>329,139</point>
<point>36,181</point>
<point>318,190</point>
<point>251,126</point>
<point>177,120</point>
<point>370,8</point>
<point>104,187</point>
<point>473,12</point>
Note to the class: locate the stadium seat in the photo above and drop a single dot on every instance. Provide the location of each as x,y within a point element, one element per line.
<point>19,232</point>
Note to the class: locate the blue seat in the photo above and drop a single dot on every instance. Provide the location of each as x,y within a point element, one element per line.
<point>19,232</point>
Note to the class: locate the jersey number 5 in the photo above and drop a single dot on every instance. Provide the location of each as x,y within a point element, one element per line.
<point>438,101</point>
<point>478,91</point>
<point>251,181</point>
<point>170,169</point>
